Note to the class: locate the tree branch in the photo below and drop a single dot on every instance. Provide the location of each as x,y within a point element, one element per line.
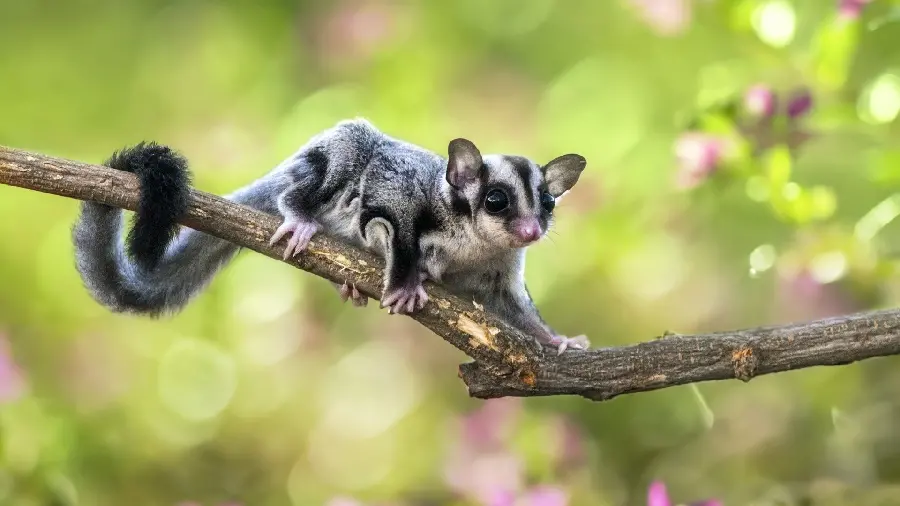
<point>507,363</point>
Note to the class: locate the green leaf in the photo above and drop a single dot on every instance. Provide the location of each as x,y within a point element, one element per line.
<point>706,413</point>
<point>742,15</point>
<point>778,167</point>
<point>877,218</point>
<point>891,17</point>
<point>823,202</point>
<point>884,167</point>
<point>833,51</point>
<point>719,124</point>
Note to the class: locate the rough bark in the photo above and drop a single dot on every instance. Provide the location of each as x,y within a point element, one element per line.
<point>506,362</point>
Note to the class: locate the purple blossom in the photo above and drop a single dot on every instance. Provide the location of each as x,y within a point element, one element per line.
<point>800,295</point>
<point>544,495</point>
<point>12,380</point>
<point>570,443</point>
<point>800,103</point>
<point>699,155</point>
<point>485,477</point>
<point>355,30</point>
<point>195,503</point>
<point>540,495</point>
<point>657,495</point>
<point>665,17</point>
<point>760,101</point>
<point>851,9</point>
<point>482,469</point>
<point>501,498</point>
<point>486,426</point>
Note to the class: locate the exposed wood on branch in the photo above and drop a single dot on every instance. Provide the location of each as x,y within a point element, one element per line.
<point>507,363</point>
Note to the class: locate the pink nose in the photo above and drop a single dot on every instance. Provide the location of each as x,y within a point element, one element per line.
<point>527,229</point>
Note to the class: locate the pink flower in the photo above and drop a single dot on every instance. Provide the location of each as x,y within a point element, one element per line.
<point>12,380</point>
<point>799,295</point>
<point>851,9</point>
<point>482,469</point>
<point>760,101</point>
<point>544,495</point>
<point>484,477</point>
<point>569,450</point>
<point>699,155</point>
<point>486,427</point>
<point>801,102</point>
<point>541,495</point>
<point>354,30</point>
<point>657,495</point>
<point>195,503</point>
<point>501,498</point>
<point>665,17</point>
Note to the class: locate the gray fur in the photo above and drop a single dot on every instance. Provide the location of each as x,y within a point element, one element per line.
<point>424,213</point>
<point>189,264</point>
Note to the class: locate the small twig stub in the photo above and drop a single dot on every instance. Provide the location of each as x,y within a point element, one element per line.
<point>507,362</point>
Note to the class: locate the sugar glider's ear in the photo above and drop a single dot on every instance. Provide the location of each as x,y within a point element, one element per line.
<point>465,163</point>
<point>562,173</point>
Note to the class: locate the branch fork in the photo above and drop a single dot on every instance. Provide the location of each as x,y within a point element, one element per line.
<point>506,362</point>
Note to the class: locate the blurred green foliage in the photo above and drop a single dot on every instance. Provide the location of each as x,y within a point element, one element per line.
<point>267,391</point>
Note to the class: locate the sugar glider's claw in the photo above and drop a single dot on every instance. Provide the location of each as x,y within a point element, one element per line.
<point>563,343</point>
<point>350,292</point>
<point>301,230</point>
<point>405,299</point>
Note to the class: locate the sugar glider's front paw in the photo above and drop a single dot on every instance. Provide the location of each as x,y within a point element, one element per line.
<point>563,343</point>
<point>302,230</point>
<point>407,298</point>
<point>350,292</point>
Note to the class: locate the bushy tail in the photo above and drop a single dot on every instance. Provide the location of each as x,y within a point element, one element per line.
<point>156,269</point>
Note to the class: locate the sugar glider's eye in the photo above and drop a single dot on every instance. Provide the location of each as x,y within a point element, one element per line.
<point>547,201</point>
<point>496,201</point>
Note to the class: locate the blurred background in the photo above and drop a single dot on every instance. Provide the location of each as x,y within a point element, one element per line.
<point>744,159</point>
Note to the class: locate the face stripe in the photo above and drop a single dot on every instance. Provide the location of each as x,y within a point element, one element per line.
<point>524,170</point>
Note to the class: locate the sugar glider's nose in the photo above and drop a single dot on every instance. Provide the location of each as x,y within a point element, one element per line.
<point>526,229</point>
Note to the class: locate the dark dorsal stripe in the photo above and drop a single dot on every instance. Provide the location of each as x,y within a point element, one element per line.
<point>523,169</point>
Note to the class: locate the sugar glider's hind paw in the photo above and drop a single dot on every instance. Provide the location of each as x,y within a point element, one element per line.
<point>405,299</point>
<point>563,343</point>
<point>301,230</point>
<point>350,292</point>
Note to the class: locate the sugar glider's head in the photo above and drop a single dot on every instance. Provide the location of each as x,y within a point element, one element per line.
<point>510,199</point>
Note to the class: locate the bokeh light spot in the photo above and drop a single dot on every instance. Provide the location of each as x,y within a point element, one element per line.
<point>828,267</point>
<point>880,102</point>
<point>344,461</point>
<point>318,111</point>
<point>600,103</point>
<point>757,189</point>
<point>267,290</point>
<point>652,270</point>
<point>877,218</point>
<point>791,191</point>
<point>267,295</point>
<point>369,390</point>
<point>775,22</point>
<point>196,379</point>
<point>63,488</point>
<point>762,259</point>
